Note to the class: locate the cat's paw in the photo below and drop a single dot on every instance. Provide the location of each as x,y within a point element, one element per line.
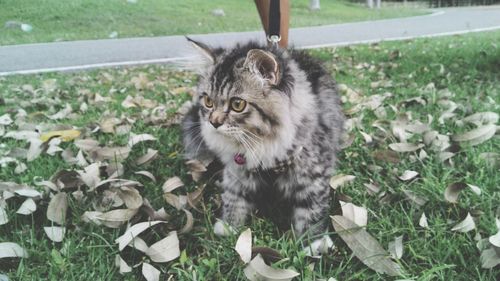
<point>319,246</point>
<point>221,228</point>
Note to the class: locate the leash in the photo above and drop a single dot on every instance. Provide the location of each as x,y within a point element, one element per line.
<point>274,22</point>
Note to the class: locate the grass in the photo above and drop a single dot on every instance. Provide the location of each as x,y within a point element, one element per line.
<point>54,20</point>
<point>467,66</point>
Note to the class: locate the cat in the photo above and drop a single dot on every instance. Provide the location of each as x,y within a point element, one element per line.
<point>274,119</point>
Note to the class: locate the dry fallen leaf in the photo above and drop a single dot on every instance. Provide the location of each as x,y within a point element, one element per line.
<point>268,254</point>
<point>65,135</point>
<point>490,258</point>
<point>258,270</point>
<point>476,136</point>
<point>196,168</point>
<point>150,273</point>
<point>423,221</point>
<point>405,147</point>
<point>27,208</point>
<point>131,197</point>
<point>146,174</point>
<point>135,139</point>
<point>5,119</point>
<point>28,192</point>
<point>150,155</point>
<point>481,118</point>
<point>396,247</point>
<point>357,214</point>
<point>194,198</point>
<point>4,218</point>
<point>340,180</point>
<point>365,247</point>
<point>55,233</point>
<point>86,144</point>
<point>453,191</point>
<point>139,244</point>
<point>122,265</point>
<point>110,153</point>
<point>166,249</point>
<point>12,250</point>
<point>244,245</point>
<point>171,184</point>
<point>408,175</point>
<point>466,225</point>
<point>57,208</point>
<point>116,218</point>
<point>133,231</point>
<point>189,222</point>
<point>178,202</point>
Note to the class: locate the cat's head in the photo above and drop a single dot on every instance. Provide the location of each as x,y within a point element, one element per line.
<point>243,93</point>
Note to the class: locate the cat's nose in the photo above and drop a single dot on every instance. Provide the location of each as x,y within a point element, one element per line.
<point>215,124</point>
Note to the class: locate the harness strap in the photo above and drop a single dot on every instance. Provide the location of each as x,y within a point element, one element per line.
<point>274,22</point>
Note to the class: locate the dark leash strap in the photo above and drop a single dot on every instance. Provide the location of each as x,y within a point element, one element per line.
<point>274,22</point>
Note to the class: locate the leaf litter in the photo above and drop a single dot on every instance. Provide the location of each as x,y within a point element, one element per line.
<point>94,158</point>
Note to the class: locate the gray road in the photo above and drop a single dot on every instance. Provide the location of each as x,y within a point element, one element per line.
<point>75,55</point>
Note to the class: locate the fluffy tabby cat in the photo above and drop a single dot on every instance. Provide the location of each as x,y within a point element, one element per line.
<point>273,118</point>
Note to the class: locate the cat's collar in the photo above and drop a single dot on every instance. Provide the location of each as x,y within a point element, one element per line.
<point>279,167</point>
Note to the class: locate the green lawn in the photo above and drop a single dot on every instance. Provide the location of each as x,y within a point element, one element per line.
<point>55,20</point>
<point>463,69</point>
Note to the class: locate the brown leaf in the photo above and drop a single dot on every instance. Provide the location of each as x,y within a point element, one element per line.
<point>268,254</point>
<point>122,265</point>
<point>130,196</point>
<point>86,144</point>
<point>386,156</point>
<point>357,214</point>
<point>146,174</point>
<point>466,225</point>
<point>415,198</point>
<point>57,208</point>
<point>178,202</point>
<point>340,180</point>
<point>396,247</point>
<point>408,175</point>
<point>133,231</point>
<point>135,139</point>
<point>453,191</point>
<point>12,250</point>
<point>116,218</point>
<point>365,247</point>
<point>244,245</point>
<point>166,249</point>
<point>476,136</point>
<point>150,155</point>
<point>258,270</point>
<point>405,147</point>
<point>196,168</point>
<point>194,198</point>
<point>27,208</point>
<point>172,184</point>
<point>118,153</point>
<point>55,233</point>
<point>189,222</point>
<point>150,273</point>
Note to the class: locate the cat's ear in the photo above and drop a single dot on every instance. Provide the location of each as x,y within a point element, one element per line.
<point>264,64</point>
<point>204,49</point>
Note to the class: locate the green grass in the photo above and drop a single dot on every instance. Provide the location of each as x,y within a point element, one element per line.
<point>471,66</point>
<point>54,20</point>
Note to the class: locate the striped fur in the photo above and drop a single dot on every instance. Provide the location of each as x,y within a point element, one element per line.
<point>292,108</point>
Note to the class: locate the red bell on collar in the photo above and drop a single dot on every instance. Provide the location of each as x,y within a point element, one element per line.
<point>239,159</point>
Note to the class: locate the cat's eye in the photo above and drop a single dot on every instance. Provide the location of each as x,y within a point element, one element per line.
<point>238,104</point>
<point>208,101</point>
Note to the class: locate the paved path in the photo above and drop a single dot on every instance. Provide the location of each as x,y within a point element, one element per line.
<point>75,55</point>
